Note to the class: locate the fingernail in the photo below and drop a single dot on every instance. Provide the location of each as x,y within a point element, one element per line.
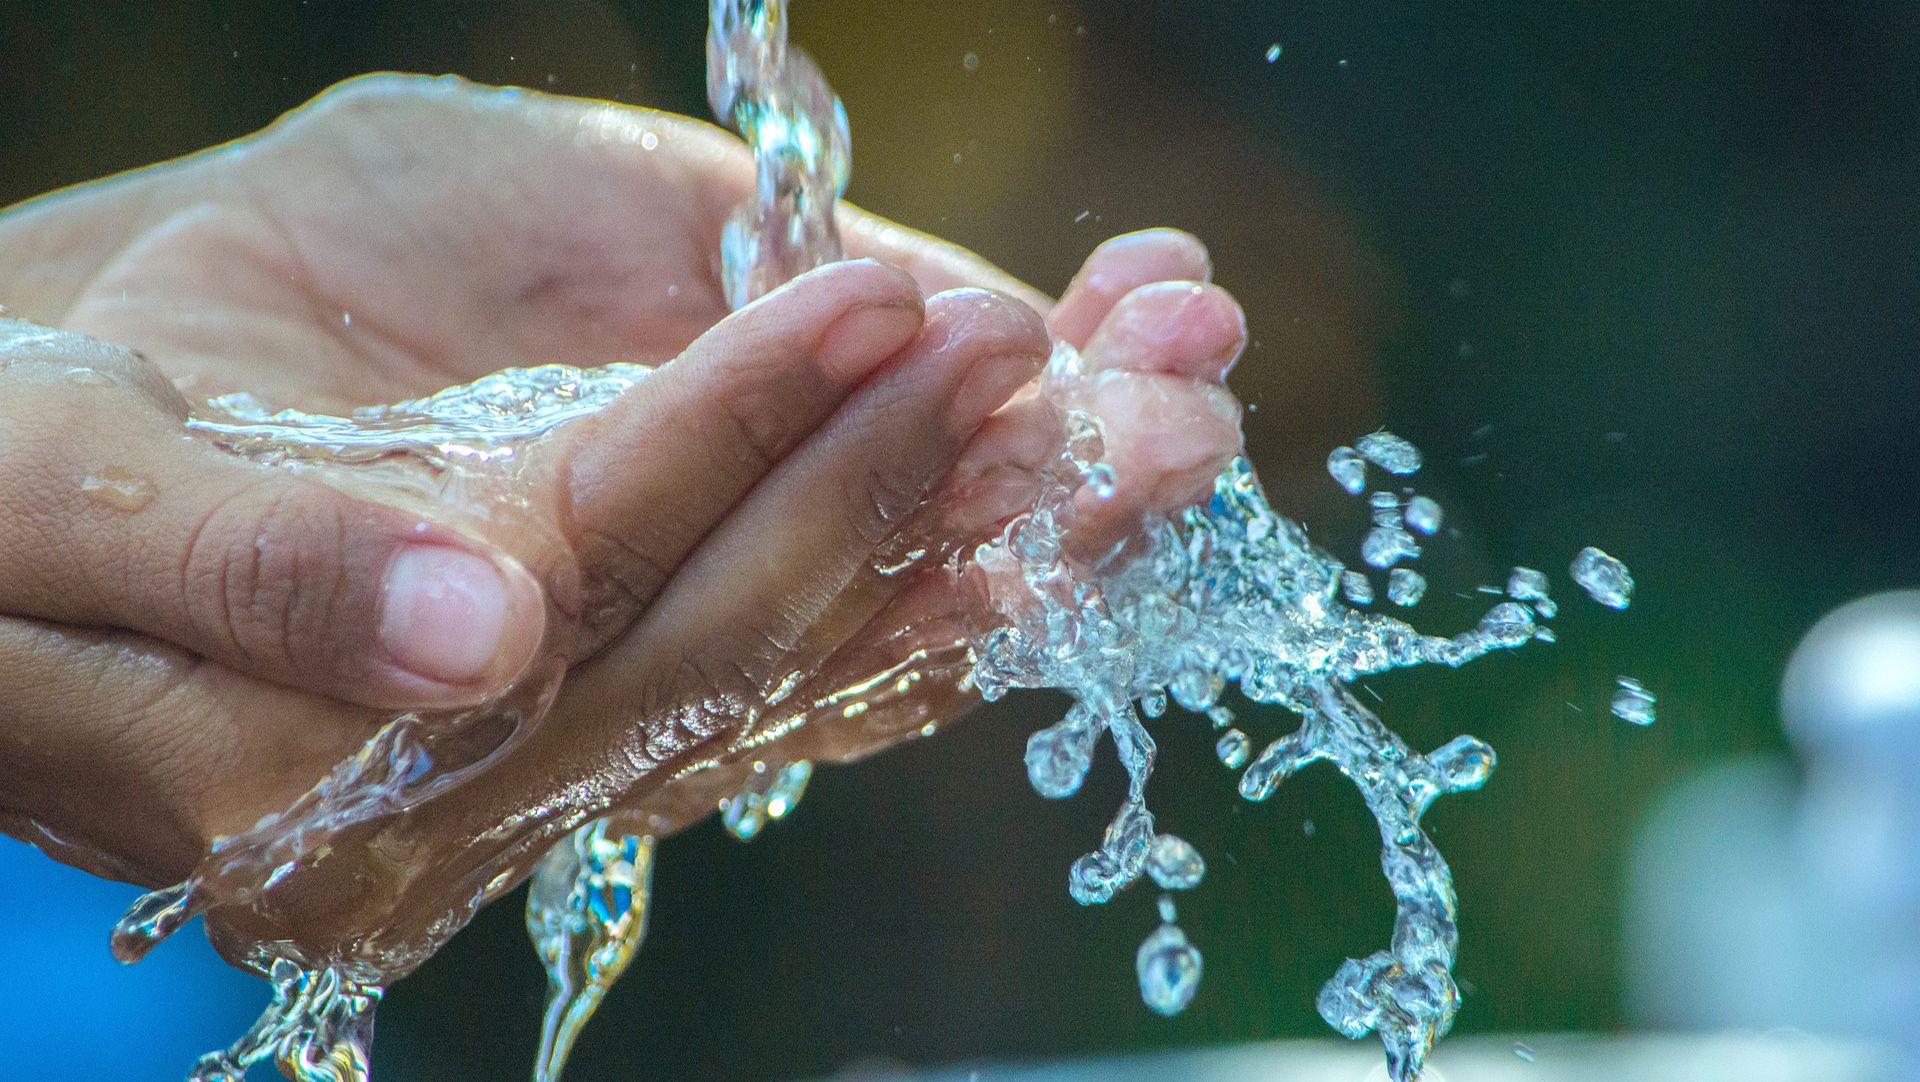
<point>988,385</point>
<point>445,614</point>
<point>856,343</point>
<point>1155,247</point>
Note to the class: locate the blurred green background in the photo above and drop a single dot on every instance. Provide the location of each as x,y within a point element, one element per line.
<point>1644,275</point>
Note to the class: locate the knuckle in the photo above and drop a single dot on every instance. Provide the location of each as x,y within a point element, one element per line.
<point>624,570</point>
<point>758,416</point>
<point>374,90</point>
<point>266,573</point>
<point>886,496</point>
<point>728,671</point>
<point>719,673</point>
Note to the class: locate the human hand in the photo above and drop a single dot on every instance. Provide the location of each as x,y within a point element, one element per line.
<point>192,265</point>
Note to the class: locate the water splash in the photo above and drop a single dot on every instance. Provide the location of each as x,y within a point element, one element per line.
<point>771,794</point>
<point>1389,452</point>
<point>1423,515</point>
<point>587,915</point>
<point>318,1028</point>
<point>1169,969</point>
<point>1232,593</point>
<point>1349,469</point>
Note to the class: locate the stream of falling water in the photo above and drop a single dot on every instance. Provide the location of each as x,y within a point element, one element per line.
<point>1228,594</point>
<point>776,98</point>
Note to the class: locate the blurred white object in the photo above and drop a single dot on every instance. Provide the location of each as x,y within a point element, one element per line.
<point>1777,1057</point>
<point>1765,898</point>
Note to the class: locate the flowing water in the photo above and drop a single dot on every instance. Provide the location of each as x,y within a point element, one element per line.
<point>1227,595</point>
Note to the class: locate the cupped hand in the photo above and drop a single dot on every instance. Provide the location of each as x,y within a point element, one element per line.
<point>702,553</point>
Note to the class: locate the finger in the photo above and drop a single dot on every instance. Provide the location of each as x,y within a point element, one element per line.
<point>936,264</point>
<point>1001,472</point>
<point>87,713</point>
<point>1117,268</point>
<point>905,670</point>
<point>792,572</point>
<point>648,477</point>
<point>1186,329</point>
<point>1168,426</point>
<point>115,518</point>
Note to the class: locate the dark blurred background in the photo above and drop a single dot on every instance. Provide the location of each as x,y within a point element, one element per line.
<point>1644,275</point>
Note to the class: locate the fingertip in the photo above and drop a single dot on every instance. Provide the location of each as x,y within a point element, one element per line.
<point>1188,329</point>
<point>1121,265</point>
<point>860,312</point>
<point>1000,342</point>
<point>1149,249</point>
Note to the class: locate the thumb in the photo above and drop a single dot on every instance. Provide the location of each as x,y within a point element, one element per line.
<point>115,518</point>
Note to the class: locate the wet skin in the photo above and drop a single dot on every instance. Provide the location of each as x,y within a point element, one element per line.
<point>168,675</point>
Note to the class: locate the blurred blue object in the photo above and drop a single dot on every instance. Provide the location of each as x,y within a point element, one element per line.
<point>1778,894</point>
<point>68,1011</point>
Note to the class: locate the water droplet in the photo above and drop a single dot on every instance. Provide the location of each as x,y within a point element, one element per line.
<point>1389,452</point>
<point>1059,756</point>
<point>119,488</point>
<point>1307,828</point>
<point>1524,1051</point>
<point>1632,702</point>
<point>1526,584</point>
<point>1197,689</point>
<point>1233,749</point>
<point>1154,703</point>
<point>1100,481</point>
<point>1388,545</point>
<point>1356,587</point>
<point>1463,763</point>
<point>1168,913</point>
<point>1175,864</point>
<point>1169,969</point>
<point>1423,515</point>
<point>1221,716</point>
<point>1348,468</point>
<point>788,787</point>
<point>1273,52</point>
<point>1507,624</point>
<point>1405,587</point>
<point>1604,578</point>
<point>1386,509</point>
<point>89,377</point>
<point>971,61</point>
<point>743,816</point>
